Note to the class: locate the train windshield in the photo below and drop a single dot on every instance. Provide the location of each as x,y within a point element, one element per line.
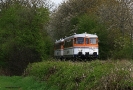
<point>93,41</point>
<point>80,40</point>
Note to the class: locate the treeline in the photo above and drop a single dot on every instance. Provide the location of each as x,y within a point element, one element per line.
<point>28,28</point>
<point>112,20</point>
<point>23,34</point>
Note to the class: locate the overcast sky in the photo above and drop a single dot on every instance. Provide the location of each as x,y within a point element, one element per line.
<point>57,1</point>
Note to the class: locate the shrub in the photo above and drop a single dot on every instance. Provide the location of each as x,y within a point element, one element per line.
<point>23,34</point>
<point>82,75</point>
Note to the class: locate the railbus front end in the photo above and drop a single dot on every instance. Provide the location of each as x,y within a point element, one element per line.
<point>85,47</point>
<point>82,46</point>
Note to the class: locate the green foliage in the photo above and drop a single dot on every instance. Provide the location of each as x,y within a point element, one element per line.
<point>87,23</point>
<point>64,18</point>
<point>23,38</point>
<point>93,75</point>
<point>122,48</point>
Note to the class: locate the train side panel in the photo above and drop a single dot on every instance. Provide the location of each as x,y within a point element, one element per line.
<point>68,52</point>
<point>58,52</point>
<point>74,51</point>
<point>84,50</point>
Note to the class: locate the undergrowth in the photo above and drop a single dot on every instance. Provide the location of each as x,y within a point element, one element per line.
<point>94,75</point>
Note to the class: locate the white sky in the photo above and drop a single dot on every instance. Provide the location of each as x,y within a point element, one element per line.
<point>57,1</point>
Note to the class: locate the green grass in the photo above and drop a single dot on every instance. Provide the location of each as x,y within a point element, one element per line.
<point>22,83</point>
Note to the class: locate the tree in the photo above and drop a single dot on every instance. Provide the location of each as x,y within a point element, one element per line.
<point>23,35</point>
<point>117,16</point>
<point>62,17</point>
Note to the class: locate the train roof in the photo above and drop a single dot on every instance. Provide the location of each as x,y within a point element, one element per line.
<point>77,35</point>
<point>82,35</point>
<point>59,41</point>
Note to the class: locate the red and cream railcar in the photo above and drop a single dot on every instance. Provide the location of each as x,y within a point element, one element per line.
<point>81,45</point>
<point>78,46</point>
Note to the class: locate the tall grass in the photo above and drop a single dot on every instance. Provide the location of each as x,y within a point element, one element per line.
<point>95,75</point>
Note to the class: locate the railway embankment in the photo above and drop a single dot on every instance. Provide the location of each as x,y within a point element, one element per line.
<point>93,75</point>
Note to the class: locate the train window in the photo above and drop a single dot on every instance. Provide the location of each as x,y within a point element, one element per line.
<point>87,41</point>
<point>80,40</point>
<point>68,43</point>
<point>74,40</point>
<point>93,41</point>
<point>58,46</point>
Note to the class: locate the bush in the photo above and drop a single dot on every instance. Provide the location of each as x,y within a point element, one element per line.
<point>83,76</point>
<point>23,37</point>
